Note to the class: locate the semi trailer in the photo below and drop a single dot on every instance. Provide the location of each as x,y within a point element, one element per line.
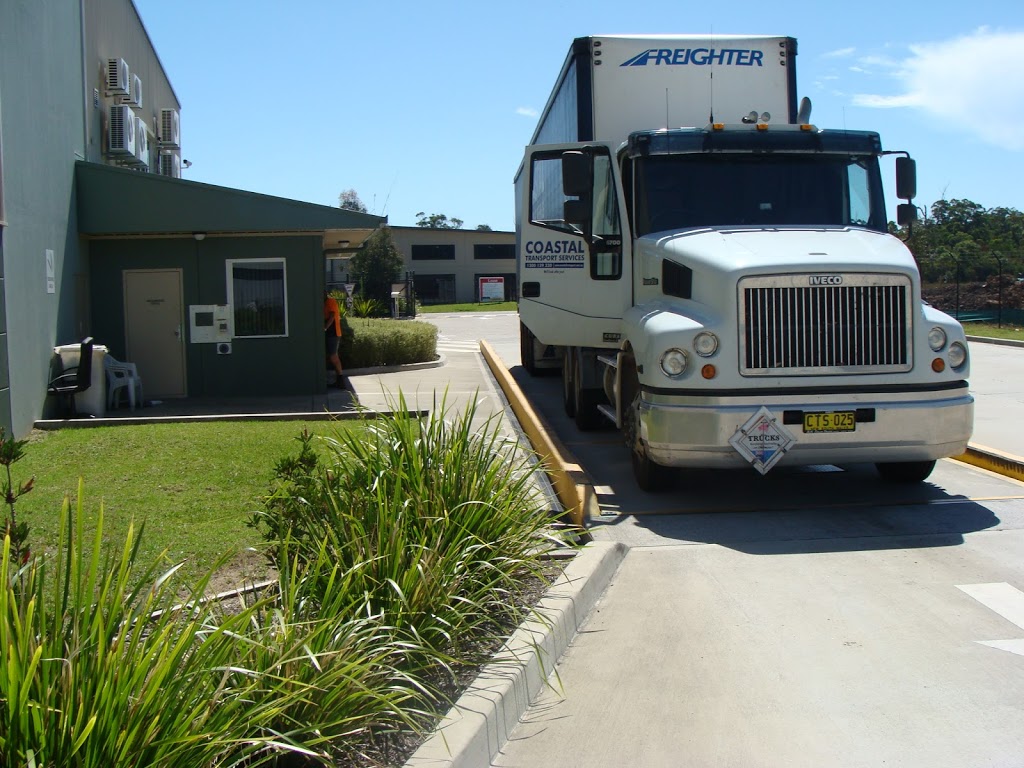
<point>714,274</point>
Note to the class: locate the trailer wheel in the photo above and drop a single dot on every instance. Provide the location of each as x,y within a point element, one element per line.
<point>905,471</point>
<point>568,385</point>
<point>649,475</point>
<point>526,349</point>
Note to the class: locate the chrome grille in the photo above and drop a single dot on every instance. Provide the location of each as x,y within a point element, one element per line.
<point>790,325</point>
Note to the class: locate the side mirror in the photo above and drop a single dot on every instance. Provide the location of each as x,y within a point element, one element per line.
<point>906,178</point>
<point>576,212</point>
<point>906,213</point>
<point>576,170</point>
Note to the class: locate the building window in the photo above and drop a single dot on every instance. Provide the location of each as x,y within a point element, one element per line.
<point>494,251</point>
<point>257,291</point>
<point>435,289</point>
<point>433,252</point>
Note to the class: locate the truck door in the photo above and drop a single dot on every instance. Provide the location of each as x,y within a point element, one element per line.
<point>574,261</point>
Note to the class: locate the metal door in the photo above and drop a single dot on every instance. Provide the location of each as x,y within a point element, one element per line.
<point>154,338</point>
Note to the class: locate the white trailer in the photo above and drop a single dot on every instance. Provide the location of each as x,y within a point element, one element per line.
<point>728,294</point>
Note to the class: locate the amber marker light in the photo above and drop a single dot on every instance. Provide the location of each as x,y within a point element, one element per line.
<point>938,365</point>
<point>708,371</point>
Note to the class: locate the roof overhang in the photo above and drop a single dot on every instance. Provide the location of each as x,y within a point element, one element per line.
<point>117,202</point>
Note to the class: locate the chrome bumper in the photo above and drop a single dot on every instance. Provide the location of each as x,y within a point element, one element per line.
<point>695,431</point>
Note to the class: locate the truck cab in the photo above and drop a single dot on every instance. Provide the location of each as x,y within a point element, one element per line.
<point>730,296</point>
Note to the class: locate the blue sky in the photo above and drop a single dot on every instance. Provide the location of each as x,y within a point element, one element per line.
<point>427,106</point>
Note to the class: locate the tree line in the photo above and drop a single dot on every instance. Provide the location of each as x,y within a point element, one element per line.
<point>961,241</point>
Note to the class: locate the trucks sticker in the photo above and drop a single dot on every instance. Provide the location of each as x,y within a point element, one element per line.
<point>700,57</point>
<point>554,254</point>
<point>762,440</point>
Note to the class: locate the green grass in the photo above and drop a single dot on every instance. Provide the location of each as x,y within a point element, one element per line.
<point>992,331</point>
<point>500,306</point>
<point>192,485</point>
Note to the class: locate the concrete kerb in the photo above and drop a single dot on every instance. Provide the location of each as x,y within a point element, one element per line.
<point>480,722</point>
<point>571,484</point>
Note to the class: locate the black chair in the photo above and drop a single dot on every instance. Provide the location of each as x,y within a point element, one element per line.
<point>74,379</point>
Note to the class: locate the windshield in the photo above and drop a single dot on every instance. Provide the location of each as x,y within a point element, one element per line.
<point>699,190</point>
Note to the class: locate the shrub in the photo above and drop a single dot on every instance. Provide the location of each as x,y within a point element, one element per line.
<point>373,342</point>
<point>102,669</point>
<point>437,523</point>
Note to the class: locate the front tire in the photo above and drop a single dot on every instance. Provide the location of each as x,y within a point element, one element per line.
<point>905,471</point>
<point>649,475</point>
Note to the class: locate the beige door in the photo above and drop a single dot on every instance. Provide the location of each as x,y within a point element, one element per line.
<point>154,331</point>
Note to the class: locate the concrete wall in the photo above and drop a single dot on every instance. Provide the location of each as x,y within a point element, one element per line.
<point>41,124</point>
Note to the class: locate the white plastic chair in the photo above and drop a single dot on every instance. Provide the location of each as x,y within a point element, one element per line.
<point>122,377</point>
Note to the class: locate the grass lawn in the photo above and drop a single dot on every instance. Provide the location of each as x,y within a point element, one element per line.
<point>192,485</point>
<point>500,306</point>
<point>991,330</point>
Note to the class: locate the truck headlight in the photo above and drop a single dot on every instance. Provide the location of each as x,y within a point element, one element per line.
<point>673,362</point>
<point>936,339</point>
<point>705,344</point>
<point>957,355</point>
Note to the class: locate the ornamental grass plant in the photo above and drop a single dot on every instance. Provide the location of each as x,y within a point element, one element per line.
<point>402,557</point>
<point>99,673</point>
<point>437,521</point>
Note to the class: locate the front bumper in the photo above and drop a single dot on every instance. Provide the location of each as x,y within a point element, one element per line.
<point>694,431</point>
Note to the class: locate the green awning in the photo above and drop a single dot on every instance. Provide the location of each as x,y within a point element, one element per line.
<point>119,201</point>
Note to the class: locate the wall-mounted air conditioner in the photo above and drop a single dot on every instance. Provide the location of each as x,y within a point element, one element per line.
<point>170,164</point>
<point>117,78</point>
<point>134,96</point>
<point>122,130</point>
<point>141,143</point>
<point>170,128</point>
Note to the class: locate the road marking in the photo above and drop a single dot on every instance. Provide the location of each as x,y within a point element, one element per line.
<point>1008,602</point>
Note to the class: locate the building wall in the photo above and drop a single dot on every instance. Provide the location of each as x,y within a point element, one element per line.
<point>465,266</point>
<point>52,59</point>
<point>113,29</point>
<point>289,365</point>
<point>41,125</point>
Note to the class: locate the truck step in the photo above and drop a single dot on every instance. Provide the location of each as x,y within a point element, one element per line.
<point>611,362</point>
<point>608,412</point>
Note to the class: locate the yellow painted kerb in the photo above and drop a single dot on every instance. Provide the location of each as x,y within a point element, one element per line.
<point>571,484</point>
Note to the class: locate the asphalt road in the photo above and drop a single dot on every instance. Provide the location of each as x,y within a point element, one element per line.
<point>807,618</point>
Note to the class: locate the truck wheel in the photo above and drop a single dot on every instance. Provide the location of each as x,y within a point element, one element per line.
<point>587,417</point>
<point>568,386</point>
<point>649,475</point>
<point>526,349</point>
<point>905,471</point>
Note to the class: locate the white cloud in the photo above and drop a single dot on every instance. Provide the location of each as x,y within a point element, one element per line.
<point>527,111</point>
<point>841,53</point>
<point>975,82</point>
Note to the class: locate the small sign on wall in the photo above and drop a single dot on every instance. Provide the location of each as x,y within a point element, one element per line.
<point>51,272</point>
<point>492,289</point>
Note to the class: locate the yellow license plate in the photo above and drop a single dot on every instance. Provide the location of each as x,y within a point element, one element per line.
<point>835,421</point>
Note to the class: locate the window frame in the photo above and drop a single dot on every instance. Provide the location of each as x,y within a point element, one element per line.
<point>229,265</point>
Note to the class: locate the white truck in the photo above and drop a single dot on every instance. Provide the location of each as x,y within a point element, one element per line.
<point>714,274</point>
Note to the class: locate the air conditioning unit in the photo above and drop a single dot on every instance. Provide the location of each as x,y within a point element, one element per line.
<point>170,164</point>
<point>122,131</point>
<point>141,143</point>
<point>117,78</point>
<point>134,96</point>
<point>170,128</point>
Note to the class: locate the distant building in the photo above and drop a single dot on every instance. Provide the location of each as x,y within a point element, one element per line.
<point>447,265</point>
